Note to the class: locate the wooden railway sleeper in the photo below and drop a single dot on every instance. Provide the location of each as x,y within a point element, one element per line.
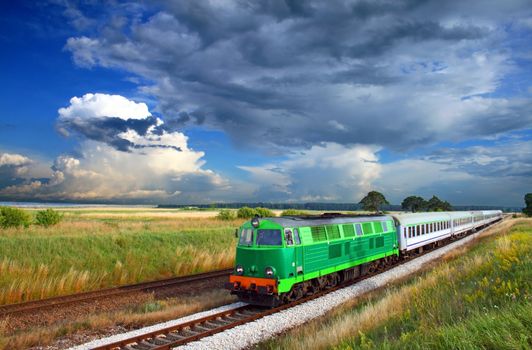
<point>201,328</point>
<point>210,325</point>
<point>174,336</point>
<point>161,340</point>
<point>234,319</point>
<point>219,322</point>
<point>187,333</point>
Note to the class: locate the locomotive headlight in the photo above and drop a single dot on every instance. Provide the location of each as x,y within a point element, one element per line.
<point>269,271</point>
<point>255,222</point>
<point>239,270</point>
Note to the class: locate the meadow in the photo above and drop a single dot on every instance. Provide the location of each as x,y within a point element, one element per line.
<point>477,298</point>
<point>102,247</point>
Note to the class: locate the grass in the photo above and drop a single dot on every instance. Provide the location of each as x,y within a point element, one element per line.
<point>479,298</point>
<point>96,249</point>
<point>147,312</point>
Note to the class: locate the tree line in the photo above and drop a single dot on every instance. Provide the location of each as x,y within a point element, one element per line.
<point>374,200</point>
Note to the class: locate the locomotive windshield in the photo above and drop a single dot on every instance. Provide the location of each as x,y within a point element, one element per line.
<point>269,237</point>
<point>246,237</point>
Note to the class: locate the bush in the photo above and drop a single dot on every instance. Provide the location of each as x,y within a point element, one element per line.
<point>226,214</point>
<point>14,217</point>
<point>48,217</point>
<point>264,212</point>
<point>246,213</point>
<point>294,212</point>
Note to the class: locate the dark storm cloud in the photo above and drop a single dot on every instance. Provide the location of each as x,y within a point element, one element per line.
<point>109,129</point>
<point>513,159</point>
<point>283,74</point>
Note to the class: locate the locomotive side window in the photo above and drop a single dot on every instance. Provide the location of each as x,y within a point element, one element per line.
<point>269,237</point>
<point>288,237</point>
<point>296,236</point>
<point>384,225</point>
<point>246,237</point>
<point>358,228</point>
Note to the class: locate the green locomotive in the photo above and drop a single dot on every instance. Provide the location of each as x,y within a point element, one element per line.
<point>281,259</point>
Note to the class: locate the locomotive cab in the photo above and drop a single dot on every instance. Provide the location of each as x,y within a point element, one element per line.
<point>265,256</point>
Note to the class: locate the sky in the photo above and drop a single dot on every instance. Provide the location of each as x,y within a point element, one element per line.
<point>185,102</point>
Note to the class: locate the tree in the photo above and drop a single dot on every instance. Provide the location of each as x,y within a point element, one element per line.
<point>246,213</point>
<point>48,217</point>
<point>528,201</point>
<point>373,201</point>
<point>14,217</point>
<point>436,204</point>
<point>226,214</point>
<point>413,203</point>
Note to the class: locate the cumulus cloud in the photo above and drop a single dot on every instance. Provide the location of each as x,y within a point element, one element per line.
<point>329,172</point>
<point>125,154</point>
<point>118,122</point>
<point>13,167</point>
<point>292,75</point>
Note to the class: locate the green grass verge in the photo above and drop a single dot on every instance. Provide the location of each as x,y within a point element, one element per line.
<point>480,300</point>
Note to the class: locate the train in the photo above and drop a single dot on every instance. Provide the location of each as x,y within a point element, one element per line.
<point>282,259</point>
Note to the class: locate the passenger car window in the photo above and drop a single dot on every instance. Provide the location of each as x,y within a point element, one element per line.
<point>358,228</point>
<point>246,237</point>
<point>269,237</point>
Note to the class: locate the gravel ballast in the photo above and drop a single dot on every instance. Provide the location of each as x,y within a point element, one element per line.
<point>155,327</point>
<point>252,333</point>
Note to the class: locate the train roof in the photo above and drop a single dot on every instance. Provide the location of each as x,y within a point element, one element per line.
<point>299,221</point>
<point>412,218</point>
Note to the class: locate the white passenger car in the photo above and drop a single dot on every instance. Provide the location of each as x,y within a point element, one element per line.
<point>416,230</point>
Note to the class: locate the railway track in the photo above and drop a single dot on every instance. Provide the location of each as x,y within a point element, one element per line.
<point>170,337</point>
<point>43,304</point>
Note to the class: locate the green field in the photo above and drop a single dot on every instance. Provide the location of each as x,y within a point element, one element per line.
<point>97,248</point>
<point>480,300</point>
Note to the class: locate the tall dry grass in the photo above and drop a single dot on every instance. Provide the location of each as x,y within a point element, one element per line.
<point>83,254</point>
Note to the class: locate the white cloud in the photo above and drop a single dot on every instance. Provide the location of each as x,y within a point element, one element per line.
<point>104,106</point>
<point>158,167</point>
<point>330,172</point>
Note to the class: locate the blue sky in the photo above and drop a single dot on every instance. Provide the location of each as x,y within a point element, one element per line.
<point>193,102</point>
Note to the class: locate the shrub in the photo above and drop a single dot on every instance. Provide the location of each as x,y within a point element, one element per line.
<point>264,212</point>
<point>226,214</point>
<point>246,213</point>
<point>14,217</point>
<point>293,212</point>
<point>48,217</point>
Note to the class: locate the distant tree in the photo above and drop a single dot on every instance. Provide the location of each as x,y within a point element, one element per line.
<point>226,214</point>
<point>413,203</point>
<point>528,201</point>
<point>246,213</point>
<point>373,201</point>
<point>293,212</point>
<point>14,217</point>
<point>264,212</point>
<point>436,204</point>
<point>48,217</point>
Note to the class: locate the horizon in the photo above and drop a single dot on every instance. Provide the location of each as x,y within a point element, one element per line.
<point>283,102</point>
